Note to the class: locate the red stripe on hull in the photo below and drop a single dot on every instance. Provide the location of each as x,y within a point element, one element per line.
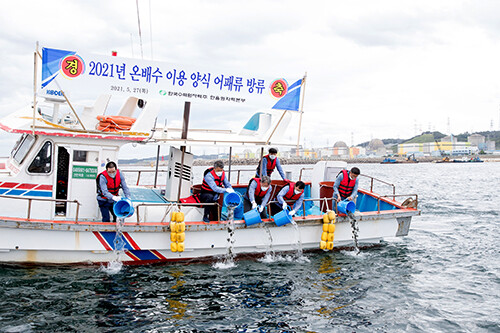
<point>102,240</point>
<point>159,255</point>
<point>26,186</point>
<point>131,241</point>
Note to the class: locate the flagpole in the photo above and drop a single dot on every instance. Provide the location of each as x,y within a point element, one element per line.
<point>301,110</point>
<point>279,121</point>
<point>34,87</point>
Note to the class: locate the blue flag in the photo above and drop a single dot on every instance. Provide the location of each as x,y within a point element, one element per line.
<point>292,98</point>
<point>51,62</point>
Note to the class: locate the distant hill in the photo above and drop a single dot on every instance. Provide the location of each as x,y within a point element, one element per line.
<point>426,137</point>
<point>431,136</point>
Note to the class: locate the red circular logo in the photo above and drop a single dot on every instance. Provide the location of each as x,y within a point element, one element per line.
<point>72,66</point>
<point>279,88</point>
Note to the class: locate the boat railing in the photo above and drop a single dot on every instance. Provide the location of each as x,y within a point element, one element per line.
<point>326,200</point>
<point>300,172</point>
<point>410,196</point>
<point>171,205</point>
<point>30,200</point>
<point>372,179</point>
<point>140,171</point>
<point>238,171</point>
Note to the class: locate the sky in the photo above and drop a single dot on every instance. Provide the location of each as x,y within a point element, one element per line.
<point>375,69</point>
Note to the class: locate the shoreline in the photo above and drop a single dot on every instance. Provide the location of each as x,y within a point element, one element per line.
<point>312,161</point>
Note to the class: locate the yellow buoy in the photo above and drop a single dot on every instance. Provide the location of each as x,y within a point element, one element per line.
<point>179,217</point>
<point>331,228</point>
<point>325,218</point>
<point>180,247</point>
<point>173,216</point>
<point>181,237</point>
<point>324,236</point>
<point>331,215</point>
<point>173,227</point>
<point>173,247</point>
<point>329,245</point>
<point>322,245</point>
<point>325,227</point>
<point>181,227</point>
<point>330,237</point>
<point>173,237</point>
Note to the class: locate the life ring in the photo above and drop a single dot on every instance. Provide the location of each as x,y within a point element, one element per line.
<point>114,123</point>
<point>117,120</point>
<point>107,127</point>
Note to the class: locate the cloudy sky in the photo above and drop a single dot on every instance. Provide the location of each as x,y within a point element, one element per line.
<point>376,69</point>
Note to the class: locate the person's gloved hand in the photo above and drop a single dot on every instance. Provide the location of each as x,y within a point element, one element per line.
<point>229,190</point>
<point>284,205</point>
<point>116,198</point>
<point>254,205</point>
<point>261,208</point>
<point>292,212</point>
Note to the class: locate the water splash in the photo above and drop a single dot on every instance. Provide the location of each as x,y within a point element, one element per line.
<point>269,250</point>
<point>115,265</point>
<point>300,252</point>
<point>228,261</point>
<point>355,231</point>
<point>224,264</point>
<point>268,259</point>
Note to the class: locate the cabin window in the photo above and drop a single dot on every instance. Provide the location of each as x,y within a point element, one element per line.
<point>79,156</point>
<point>22,147</point>
<point>42,163</point>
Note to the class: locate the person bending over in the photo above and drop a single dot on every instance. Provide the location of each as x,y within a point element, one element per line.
<point>257,195</point>
<point>108,185</point>
<point>214,183</point>
<point>292,193</point>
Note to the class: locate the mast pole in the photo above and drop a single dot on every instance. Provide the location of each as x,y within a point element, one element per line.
<point>229,173</point>
<point>185,125</point>
<point>157,162</point>
<point>301,109</point>
<point>35,70</point>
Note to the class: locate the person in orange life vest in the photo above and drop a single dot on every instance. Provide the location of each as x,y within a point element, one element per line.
<point>268,163</point>
<point>346,185</point>
<point>290,192</point>
<point>257,195</point>
<point>214,183</point>
<point>108,184</point>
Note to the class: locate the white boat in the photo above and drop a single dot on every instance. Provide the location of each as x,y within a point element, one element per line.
<point>50,214</point>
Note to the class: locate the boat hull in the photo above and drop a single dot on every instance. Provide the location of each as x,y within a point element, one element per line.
<point>66,242</point>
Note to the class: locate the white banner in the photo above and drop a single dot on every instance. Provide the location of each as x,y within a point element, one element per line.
<point>80,74</point>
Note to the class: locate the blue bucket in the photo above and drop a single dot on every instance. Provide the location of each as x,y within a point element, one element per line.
<point>345,206</point>
<point>283,217</point>
<point>232,199</point>
<point>252,217</point>
<point>123,208</point>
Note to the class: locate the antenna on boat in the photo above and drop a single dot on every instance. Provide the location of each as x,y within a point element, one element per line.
<point>139,24</point>
<point>150,30</point>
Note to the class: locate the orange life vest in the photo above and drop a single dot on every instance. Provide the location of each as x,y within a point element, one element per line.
<point>219,181</point>
<point>258,191</point>
<point>270,165</point>
<point>346,185</point>
<point>290,195</point>
<point>113,184</point>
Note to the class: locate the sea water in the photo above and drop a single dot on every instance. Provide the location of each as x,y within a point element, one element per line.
<point>443,277</point>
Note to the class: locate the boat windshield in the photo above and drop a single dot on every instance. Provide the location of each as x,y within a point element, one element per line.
<point>22,147</point>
